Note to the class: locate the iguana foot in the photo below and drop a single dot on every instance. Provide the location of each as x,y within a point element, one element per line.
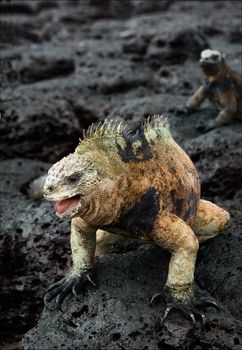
<point>188,307</point>
<point>223,119</point>
<point>67,286</point>
<point>190,310</point>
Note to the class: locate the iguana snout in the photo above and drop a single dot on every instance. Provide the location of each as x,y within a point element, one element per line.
<point>211,61</point>
<point>68,182</point>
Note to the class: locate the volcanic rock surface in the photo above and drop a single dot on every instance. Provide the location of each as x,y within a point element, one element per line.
<point>64,65</point>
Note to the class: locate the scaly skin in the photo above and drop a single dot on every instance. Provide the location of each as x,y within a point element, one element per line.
<point>222,87</point>
<point>142,186</point>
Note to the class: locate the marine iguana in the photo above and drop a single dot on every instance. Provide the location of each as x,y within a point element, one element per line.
<point>140,185</point>
<point>222,87</point>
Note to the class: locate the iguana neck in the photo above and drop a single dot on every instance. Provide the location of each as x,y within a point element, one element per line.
<point>218,76</point>
<point>103,205</point>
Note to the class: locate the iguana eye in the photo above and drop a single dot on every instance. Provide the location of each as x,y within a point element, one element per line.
<point>73,178</point>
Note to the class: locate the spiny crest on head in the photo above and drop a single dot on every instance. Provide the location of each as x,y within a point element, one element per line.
<point>156,121</point>
<point>105,129</point>
<point>101,137</point>
<point>156,128</point>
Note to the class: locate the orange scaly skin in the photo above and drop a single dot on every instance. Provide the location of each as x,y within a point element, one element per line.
<point>142,186</point>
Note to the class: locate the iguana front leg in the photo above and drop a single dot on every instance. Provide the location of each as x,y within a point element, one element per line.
<point>173,234</point>
<point>227,114</point>
<point>83,244</point>
<point>196,99</point>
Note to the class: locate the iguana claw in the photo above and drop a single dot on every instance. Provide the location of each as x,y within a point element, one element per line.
<point>186,312</point>
<point>67,286</point>
<point>156,298</point>
<point>190,310</point>
<point>208,303</point>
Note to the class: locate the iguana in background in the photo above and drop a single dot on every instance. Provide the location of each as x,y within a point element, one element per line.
<point>140,185</point>
<point>222,87</point>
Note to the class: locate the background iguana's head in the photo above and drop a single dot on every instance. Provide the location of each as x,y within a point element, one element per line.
<point>211,61</point>
<point>68,182</point>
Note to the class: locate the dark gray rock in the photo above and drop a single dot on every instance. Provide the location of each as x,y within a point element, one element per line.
<point>40,69</point>
<point>177,47</point>
<point>31,236</point>
<point>218,158</point>
<point>117,314</point>
<point>29,126</point>
<point>219,268</point>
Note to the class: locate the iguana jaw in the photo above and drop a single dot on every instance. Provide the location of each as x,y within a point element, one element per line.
<point>67,206</point>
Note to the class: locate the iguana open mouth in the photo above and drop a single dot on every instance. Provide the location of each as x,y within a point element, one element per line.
<point>67,205</point>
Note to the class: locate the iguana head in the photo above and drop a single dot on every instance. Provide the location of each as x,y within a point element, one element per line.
<point>83,177</point>
<point>211,61</point>
<point>69,182</point>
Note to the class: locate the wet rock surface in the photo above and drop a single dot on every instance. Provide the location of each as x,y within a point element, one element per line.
<point>65,65</point>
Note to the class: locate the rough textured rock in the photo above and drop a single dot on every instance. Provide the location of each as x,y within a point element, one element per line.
<point>117,314</point>
<point>218,158</point>
<point>64,65</point>
<point>23,125</point>
<point>26,246</point>
<point>223,252</point>
<point>176,48</point>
